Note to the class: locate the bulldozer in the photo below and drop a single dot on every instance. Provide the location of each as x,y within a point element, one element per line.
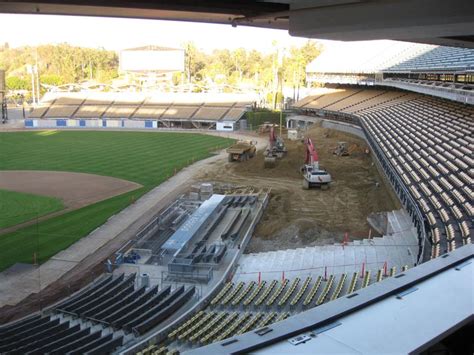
<point>275,150</point>
<point>341,149</point>
<point>242,150</point>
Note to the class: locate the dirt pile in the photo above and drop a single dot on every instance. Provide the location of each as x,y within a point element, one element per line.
<point>295,217</point>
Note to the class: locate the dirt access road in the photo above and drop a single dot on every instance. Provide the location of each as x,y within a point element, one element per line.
<point>296,217</point>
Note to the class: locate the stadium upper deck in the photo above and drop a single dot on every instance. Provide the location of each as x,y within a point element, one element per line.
<point>446,72</point>
<point>391,56</point>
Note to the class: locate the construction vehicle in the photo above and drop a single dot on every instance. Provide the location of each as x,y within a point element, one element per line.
<point>344,150</point>
<point>275,150</point>
<point>241,151</point>
<point>341,149</point>
<point>313,174</point>
<point>265,127</point>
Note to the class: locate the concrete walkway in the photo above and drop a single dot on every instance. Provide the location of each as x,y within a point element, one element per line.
<point>16,284</point>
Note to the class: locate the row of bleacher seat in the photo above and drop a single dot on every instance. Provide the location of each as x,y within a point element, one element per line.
<point>289,292</point>
<point>133,99</point>
<point>222,320</point>
<point>429,84</point>
<point>389,57</point>
<point>277,293</point>
<point>108,302</point>
<point>230,111</point>
<point>429,143</point>
<point>444,58</point>
<point>286,294</point>
<point>47,334</point>
<point>206,327</point>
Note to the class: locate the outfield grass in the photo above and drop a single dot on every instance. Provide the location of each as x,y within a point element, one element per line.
<point>17,207</point>
<point>145,158</point>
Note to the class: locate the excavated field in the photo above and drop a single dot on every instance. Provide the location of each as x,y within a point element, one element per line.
<point>296,217</point>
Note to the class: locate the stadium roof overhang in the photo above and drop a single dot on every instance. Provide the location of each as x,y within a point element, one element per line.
<point>426,21</point>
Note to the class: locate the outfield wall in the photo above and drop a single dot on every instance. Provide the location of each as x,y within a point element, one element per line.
<point>61,123</point>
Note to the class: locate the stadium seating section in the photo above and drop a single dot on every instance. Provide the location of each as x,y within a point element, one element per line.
<point>390,56</point>
<point>437,58</point>
<point>242,307</point>
<point>117,106</point>
<point>428,142</point>
<point>96,319</point>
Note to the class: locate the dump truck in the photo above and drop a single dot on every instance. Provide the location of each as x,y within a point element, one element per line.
<point>242,151</point>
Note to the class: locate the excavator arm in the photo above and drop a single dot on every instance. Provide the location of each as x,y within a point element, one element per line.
<point>311,154</point>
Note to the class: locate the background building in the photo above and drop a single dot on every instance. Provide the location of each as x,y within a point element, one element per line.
<point>151,67</point>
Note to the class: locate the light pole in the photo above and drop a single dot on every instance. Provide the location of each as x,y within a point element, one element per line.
<point>29,70</point>
<point>35,86</point>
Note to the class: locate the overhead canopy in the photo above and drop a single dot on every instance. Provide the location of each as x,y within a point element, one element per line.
<point>426,21</point>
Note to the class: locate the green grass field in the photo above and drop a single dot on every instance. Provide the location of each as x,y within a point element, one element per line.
<point>17,207</point>
<point>142,157</point>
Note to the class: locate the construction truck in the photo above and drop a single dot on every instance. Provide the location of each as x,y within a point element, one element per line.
<point>241,151</point>
<point>341,149</point>
<point>313,174</point>
<point>275,150</point>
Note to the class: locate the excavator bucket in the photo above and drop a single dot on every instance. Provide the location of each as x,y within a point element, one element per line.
<point>269,162</point>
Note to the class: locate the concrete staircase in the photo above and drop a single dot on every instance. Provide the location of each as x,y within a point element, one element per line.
<point>397,248</point>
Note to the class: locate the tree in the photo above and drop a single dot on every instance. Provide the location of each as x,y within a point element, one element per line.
<point>194,62</point>
<point>61,63</point>
<point>16,83</point>
<point>51,79</point>
<point>240,62</point>
<point>295,65</point>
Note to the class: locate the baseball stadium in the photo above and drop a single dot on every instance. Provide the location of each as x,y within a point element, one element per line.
<point>149,216</point>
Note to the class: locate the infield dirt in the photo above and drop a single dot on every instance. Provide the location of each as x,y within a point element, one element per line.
<point>75,190</point>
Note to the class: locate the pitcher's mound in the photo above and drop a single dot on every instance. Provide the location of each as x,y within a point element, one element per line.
<point>74,189</point>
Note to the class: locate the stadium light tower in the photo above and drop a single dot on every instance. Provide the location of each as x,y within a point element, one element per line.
<point>29,70</point>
